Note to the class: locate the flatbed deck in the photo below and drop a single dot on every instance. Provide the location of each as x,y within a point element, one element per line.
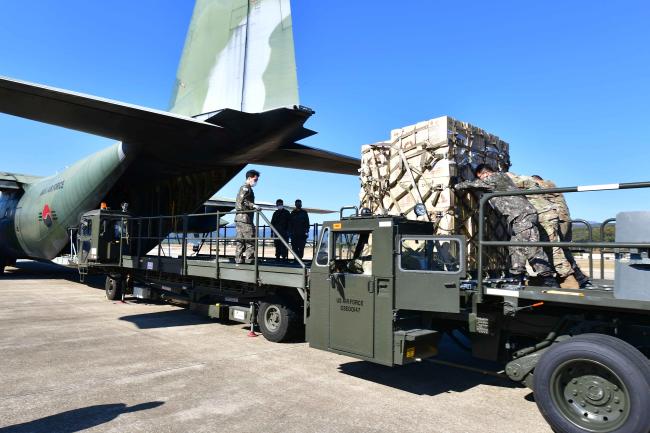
<point>286,273</point>
<point>601,295</point>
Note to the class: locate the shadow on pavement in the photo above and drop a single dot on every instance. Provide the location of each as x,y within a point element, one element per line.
<point>423,378</point>
<point>429,378</point>
<point>78,419</point>
<point>34,270</point>
<point>166,319</point>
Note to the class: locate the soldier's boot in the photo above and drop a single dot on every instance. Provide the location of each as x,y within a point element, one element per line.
<point>569,282</point>
<point>549,281</point>
<point>519,279</point>
<point>583,281</point>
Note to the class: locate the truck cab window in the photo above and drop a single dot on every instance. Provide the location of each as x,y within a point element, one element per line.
<point>323,256</point>
<point>430,255</point>
<point>117,230</point>
<point>86,227</point>
<point>353,252</point>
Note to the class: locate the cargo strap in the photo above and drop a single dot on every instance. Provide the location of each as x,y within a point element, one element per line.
<point>413,182</point>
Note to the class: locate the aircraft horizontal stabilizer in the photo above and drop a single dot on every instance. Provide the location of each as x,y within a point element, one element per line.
<point>308,158</point>
<point>15,181</point>
<point>99,116</point>
<point>180,143</point>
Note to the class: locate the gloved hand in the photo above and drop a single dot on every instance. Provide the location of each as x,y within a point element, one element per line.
<point>256,207</point>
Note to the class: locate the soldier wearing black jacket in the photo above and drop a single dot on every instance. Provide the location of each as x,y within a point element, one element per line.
<point>299,228</point>
<point>280,221</point>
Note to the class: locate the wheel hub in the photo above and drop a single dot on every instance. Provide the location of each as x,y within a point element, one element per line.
<point>595,392</point>
<point>272,318</point>
<point>590,395</point>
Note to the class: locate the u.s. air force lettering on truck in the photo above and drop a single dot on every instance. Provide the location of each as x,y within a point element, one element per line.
<point>352,305</point>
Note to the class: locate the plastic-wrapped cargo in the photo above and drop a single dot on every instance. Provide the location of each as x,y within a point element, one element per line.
<point>420,164</point>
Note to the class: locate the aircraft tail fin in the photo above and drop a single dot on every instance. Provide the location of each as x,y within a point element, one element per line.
<point>238,54</point>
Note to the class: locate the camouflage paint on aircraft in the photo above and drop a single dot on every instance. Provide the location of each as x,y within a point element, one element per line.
<point>41,231</point>
<point>239,54</point>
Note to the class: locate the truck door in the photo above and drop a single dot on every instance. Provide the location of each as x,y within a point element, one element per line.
<point>428,274</point>
<point>84,241</point>
<point>352,294</point>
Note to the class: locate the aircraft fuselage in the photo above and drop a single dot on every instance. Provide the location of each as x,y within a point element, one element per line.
<point>35,222</point>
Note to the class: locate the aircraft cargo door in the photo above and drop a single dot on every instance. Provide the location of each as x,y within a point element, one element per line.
<point>352,294</point>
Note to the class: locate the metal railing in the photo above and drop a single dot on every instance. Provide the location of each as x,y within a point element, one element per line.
<point>589,245</point>
<point>590,237</point>
<point>603,250</point>
<point>161,236</point>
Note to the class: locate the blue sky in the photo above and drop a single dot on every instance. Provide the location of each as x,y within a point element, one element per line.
<point>567,84</point>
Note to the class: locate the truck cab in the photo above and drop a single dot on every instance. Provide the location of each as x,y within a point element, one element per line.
<point>374,284</point>
<point>99,238</point>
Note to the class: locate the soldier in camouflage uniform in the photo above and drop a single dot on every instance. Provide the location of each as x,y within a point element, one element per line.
<point>565,232</point>
<point>549,220</point>
<point>522,223</point>
<point>245,250</point>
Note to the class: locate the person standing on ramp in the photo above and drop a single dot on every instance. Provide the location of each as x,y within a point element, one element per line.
<point>244,205</point>
<point>280,221</point>
<point>298,228</point>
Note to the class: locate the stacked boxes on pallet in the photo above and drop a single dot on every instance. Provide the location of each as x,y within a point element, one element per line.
<point>420,164</point>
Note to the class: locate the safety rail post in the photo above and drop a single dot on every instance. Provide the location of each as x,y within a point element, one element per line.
<point>184,247</point>
<point>216,258</point>
<point>225,240</point>
<point>210,244</point>
<point>602,238</point>
<point>139,237</point>
<point>590,231</point>
<point>263,240</point>
<point>159,242</point>
<point>257,241</point>
<point>122,220</point>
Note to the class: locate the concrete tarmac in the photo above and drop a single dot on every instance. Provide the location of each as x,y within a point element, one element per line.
<point>72,361</point>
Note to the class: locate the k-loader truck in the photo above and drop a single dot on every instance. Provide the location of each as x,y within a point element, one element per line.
<point>384,289</point>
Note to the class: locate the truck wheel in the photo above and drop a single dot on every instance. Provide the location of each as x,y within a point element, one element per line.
<point>276,320</point>
<point>593,383</point>
<point>113,288</point>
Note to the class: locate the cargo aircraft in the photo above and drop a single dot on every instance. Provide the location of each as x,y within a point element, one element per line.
<point>235,102</point>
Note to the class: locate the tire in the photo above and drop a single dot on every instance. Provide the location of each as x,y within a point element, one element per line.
<point>114,287</point>
<point>276,320</point>
<point>593,383</point>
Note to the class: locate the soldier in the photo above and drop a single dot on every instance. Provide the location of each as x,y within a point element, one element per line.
<point>549,220</point>
<point>565,232</point>
<point>522,223</point>
<point>244,219</point>
<point>280,221</point>
<point>298,228</point>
